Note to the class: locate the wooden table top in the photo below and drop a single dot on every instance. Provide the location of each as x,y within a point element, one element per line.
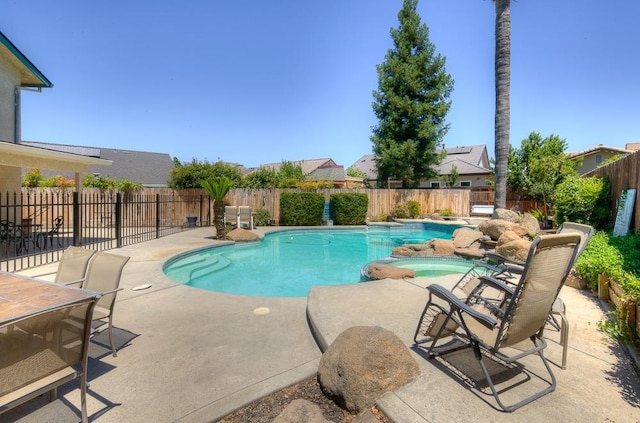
<point>21,296</point>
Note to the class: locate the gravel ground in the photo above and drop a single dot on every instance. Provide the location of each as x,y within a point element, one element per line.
<point>266,409</point>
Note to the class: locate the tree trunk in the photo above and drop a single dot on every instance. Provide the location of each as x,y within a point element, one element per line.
<point>503,84</point>
<point>218,218</point>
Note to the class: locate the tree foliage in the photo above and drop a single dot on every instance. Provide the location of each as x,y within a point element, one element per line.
<point>191,175</point>
<point>410,104</point>
<point>539,166</point>
<point>217,188</point>
<point>452,178</point>
<point>583,200</point>
<point>290,175</point>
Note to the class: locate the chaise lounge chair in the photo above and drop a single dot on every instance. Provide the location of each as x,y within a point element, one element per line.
<point>493,327</point>
<point>509,270</point>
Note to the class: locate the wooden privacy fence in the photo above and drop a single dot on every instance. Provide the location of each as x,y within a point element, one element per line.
<point>622,174</point>
<point>139,209</point>
<point>381,201</point>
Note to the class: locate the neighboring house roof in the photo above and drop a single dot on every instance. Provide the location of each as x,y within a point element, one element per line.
<point>328,173</point>
<point>468,160</point>
<point>599,149</point>
<point>30,76</point>
<point>367,165</point>
<point>308,166</point>
<point>462,167</point>
<point>149,169</point>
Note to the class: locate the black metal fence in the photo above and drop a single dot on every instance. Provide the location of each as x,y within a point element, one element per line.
<point>37,225</point>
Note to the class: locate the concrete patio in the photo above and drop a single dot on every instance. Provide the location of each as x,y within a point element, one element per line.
<point>188,355</point>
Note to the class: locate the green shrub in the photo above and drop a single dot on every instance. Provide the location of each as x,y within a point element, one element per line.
<point>379,218</point>
<point>301,208</point>
<point>538,214</point>
<point>262,217</point>
<point>582,200</point>
<point>598,258</point>
<point>445,212</point>
<point>350,208</point>
<point>613,256</point>
<point>32,178</point>
<point>127,186</point>
<point>407,210</point>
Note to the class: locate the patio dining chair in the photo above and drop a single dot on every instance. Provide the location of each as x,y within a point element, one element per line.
<point>505,331</point>
<point>72,268</point>
<point>103,276</point>
<point>58,222</point>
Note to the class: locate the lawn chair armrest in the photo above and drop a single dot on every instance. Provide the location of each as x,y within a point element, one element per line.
<point>102,294</point>
<point>448,296</point>
<point>72,283</point>
<point>497,283</point>
<point>494,257</point>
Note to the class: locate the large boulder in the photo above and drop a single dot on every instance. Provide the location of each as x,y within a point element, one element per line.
<point>531,224</point>
<point>515,250</point>
<point>377,271</point>
<point>442,247</point>
<point>504,214</point>
<point>466,238</point>
<point>507,237</point>
<point>495,227</point>
<point>242,235</point>
<point>301,410</point>
<point>403,251</point>
<point>363,363</point>
<point>434,247</point>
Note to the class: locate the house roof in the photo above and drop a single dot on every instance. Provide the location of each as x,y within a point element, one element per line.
<point>468,160</point>
<point>463,167</point>
<point>329,173</point>
<point>150,169</point>
<point>599,148</point>
<point>18,155</point>
<point>308,166</point>
<point>30,76</point>
<point>367,165</point>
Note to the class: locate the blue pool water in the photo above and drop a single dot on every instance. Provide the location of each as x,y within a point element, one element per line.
<point>287,263</point>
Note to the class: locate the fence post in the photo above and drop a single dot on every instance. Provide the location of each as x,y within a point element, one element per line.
<point>77,230</point>
<point>118,220</point>
<point>157,215</point>
<point>201,200</point>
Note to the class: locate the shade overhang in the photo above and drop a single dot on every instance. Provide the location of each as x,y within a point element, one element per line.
<point>17,155</point>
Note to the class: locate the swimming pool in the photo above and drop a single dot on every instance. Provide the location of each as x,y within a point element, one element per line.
<point>287,263</point>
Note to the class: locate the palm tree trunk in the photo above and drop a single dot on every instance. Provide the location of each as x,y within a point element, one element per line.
<point>218,219</point>
<point>503,85</point>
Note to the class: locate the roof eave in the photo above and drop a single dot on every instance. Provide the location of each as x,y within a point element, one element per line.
<point>45,83</point>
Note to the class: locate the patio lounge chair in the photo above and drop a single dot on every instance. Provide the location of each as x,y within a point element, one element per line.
<point>510,269</point>
<point>498,328</point>
<point>245,217</point>
<point>231,216</point>
<point>103,276</point>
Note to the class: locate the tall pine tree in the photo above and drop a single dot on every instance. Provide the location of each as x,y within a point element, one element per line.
<point>411,103</point>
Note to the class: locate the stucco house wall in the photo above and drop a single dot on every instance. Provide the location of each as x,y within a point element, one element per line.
<point>9,79</point>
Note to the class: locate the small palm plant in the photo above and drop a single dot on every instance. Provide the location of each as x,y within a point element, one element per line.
<point>217,188</point>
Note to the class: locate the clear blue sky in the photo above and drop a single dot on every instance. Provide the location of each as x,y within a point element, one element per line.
<point>259,81</point>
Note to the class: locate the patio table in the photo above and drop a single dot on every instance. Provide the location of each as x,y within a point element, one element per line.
<point>44,336</point>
